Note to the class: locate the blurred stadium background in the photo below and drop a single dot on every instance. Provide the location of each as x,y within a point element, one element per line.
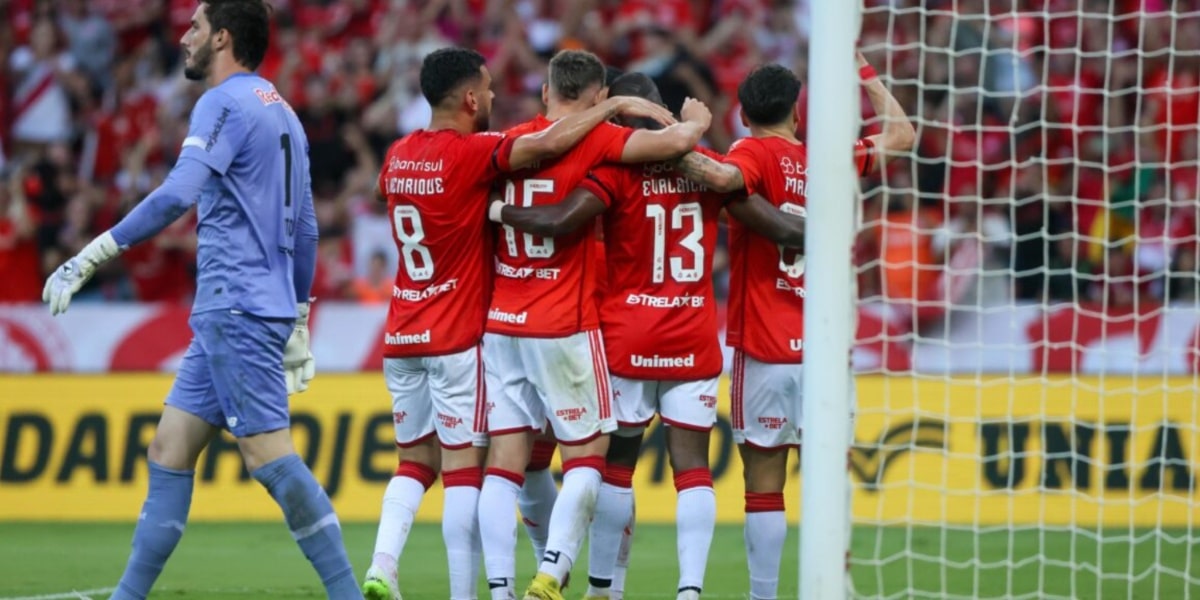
<point>1028,334</point>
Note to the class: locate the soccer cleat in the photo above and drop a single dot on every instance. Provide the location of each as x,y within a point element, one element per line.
<point>543,587</point>
<point>378,586</point>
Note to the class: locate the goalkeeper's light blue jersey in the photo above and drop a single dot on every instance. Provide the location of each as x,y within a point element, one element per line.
<point>250,213</point>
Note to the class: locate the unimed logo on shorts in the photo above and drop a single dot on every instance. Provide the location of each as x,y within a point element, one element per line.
<point>570,414</point>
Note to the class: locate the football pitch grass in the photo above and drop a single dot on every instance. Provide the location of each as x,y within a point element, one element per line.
<point>225,560</point>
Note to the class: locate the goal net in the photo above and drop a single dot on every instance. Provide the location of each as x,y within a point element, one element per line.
<point>1028,338</point>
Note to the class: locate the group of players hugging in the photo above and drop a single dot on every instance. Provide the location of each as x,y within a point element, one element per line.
<point>554,292</point>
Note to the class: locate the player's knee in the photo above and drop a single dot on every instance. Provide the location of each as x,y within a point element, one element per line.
<point>764,470</point>
<point>624,451</point>
<point>509,452</point>
<point>687,448</point>
<point>595,447</point>
<point>462,458</point>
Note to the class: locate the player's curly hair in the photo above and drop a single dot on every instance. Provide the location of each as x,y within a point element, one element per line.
<point>444,70</point>
<point>573,71</point>
<point>769,94</point>
<point>247,22</point>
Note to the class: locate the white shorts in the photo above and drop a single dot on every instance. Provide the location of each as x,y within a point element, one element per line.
<point>684,404</point>
<point>438,394</point>
<point>768,402</point>
<point>561,380</point>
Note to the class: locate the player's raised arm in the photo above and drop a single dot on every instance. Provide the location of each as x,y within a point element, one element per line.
<point>765,219</point>
<point>664,144</point>
<point>898,133</point>
<point>566,132</point>
<point>714,174</point>
<point>579,208</point>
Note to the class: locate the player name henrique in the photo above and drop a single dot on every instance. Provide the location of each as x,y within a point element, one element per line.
<point>665,301</point>
<point>414,186</point>
<point>662,362</point>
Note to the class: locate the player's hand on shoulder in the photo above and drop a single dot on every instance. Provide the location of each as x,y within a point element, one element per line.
<point>299,367</point>
<point>695,111</point>
<point>631,106</point>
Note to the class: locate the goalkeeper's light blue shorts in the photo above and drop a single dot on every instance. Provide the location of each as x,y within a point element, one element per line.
<point>232,373</point>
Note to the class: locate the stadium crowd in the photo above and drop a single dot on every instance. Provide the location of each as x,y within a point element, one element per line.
<point>1057,137</point>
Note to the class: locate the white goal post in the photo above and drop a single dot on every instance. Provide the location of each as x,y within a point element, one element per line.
<point>1025,284</point>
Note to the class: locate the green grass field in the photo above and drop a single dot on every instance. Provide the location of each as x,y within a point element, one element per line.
<point>50,560</point>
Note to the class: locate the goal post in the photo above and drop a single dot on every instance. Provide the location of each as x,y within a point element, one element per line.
<point>829,299</point>
<point>1026,349</point>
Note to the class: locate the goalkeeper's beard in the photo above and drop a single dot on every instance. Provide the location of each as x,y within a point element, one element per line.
<point>201,60</point>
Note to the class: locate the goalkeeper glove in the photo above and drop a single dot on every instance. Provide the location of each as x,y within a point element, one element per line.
<point>73,274</point>
<point>298,365</point>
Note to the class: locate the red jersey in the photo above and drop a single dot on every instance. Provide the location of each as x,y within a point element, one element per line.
<point>437,185</point>
<point>766,280</point>
<point>659,314</point>
<point>546,287</point>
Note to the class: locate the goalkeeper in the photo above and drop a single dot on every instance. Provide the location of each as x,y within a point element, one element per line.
<point>245,166</point>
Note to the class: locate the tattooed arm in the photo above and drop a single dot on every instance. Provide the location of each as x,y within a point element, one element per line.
<point>716,176</point>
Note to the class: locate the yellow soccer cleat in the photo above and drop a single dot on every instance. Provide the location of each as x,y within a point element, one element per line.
<point>543,587</point>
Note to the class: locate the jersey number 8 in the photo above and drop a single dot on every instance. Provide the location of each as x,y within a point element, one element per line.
<point>417,260</point>
<point>791,260</point>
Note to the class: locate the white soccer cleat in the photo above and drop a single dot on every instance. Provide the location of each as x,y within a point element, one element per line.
<point>379,586</point>
<point>688,594</point>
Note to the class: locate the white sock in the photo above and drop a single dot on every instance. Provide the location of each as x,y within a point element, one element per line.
<point>537,503</point>
<point>400,503</point>
<point>765,534</point>
<point>498,529</point>
<point>460,530</point>
<point>695,520</point>
<point>617,592</point>
<point>572,514</point>
<point>614,510</point>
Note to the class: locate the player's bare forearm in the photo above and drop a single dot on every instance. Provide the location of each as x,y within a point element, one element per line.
<point>561,136</point>
<point>898,132</point>
<point>578,209</point>
<point>763,218</point>
<point>716,176</point>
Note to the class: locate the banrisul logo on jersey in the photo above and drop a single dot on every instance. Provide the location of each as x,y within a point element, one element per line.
<point>957,450</point>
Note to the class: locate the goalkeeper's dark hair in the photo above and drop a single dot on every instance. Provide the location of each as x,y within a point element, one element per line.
<point>769,94</point>
<point>444,71</point>
<point>573,71</point>
<point>611,74</point>
<point>638,85</point>
<point>247,21</point>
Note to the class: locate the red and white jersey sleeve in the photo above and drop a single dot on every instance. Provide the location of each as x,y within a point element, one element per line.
<point>659,315</point>
<point>546,287</point>
<point>766,287</point>
<point>437,184</point>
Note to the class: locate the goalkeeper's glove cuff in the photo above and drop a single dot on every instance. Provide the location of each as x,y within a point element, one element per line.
<point>99,251</point>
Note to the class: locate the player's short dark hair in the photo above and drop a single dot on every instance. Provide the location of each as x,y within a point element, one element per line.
<point>769,94</point>
<point>443,71</point>
<point>573,71</point>
<point>638,85</point>
<point>611,74</point>
<point>247,22</point>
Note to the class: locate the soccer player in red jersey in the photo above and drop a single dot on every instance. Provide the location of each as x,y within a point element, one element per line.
<point>659,320</point>
<point>543,354</point>
<point>766,297</point>
<point>436,183</point>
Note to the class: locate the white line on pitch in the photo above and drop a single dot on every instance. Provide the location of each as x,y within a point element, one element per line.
<point>75,595</point>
